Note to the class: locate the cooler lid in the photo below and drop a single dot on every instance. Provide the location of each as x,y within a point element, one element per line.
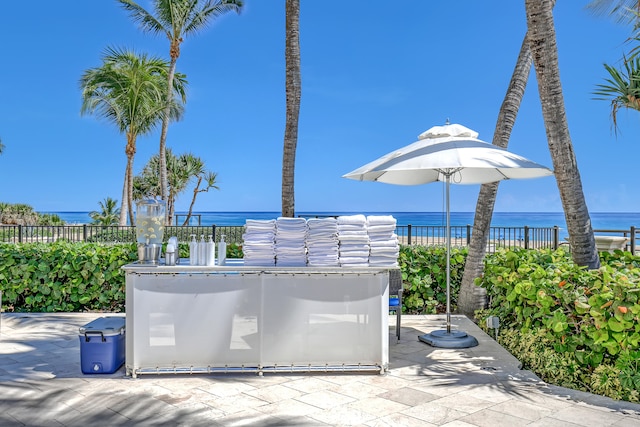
<point>107,325</point>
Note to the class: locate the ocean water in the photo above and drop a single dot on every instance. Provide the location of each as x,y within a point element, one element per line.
<point>601,220</point>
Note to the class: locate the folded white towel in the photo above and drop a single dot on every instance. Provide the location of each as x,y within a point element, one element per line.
<point>352,219</point>
<point>380,220</point>
<point>383,243</point>
<point>353,260</point>
<point>353,239</point>
<point>383,263</point>
<point>322,222</point>
<point>381,228</point>
<point>353,233</point>
<point>348,254</point>
<point>284,219</point>
<point>261,223</point>
<point>382,250</point>
<point>353,245</point>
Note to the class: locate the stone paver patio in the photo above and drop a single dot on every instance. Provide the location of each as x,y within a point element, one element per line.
<point>41,384</point>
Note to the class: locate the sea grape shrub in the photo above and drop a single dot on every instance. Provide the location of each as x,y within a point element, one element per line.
<point>234,251</point>
<point>424,277</point>
<point>62,276</point>
<point>590,318</point>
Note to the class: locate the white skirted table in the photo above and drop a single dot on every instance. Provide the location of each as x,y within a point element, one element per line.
<point>235,318</point>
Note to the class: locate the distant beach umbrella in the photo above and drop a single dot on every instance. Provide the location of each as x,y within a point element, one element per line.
<point>451,153</point>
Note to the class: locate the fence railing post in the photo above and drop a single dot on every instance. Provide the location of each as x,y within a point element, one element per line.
<point>409,234</point>
<point>19,233</point>
<point>632,241</point>
<point>84,232</point>
<point>556,237</point>
<point>468,234</point>
<point>526,237</point>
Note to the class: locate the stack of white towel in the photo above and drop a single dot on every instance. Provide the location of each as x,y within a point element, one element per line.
<point>353,240</point>
<point>259,242</point>
<point>347,241</point>
<point>291,235</point>
<point>383,241</point>
<point>322,242</point>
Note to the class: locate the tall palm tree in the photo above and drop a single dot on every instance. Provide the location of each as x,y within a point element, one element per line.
<point>472,297</point>
<point>176,19</point>
<point>542,42</point>
<point>293,88</point>
<point>108,214</point>
<point>129,90</point>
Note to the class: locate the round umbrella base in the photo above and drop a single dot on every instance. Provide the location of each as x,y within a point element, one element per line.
<point>453,339</point>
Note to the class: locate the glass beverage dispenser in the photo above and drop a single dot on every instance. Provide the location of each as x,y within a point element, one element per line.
<point>150,221</point>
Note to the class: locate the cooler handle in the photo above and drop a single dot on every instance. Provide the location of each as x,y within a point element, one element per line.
<point>87,333</point>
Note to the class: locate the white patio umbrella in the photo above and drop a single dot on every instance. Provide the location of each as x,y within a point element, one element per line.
<point>453,154</point>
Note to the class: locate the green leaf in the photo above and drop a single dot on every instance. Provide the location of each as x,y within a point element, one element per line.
<point>615,325</point>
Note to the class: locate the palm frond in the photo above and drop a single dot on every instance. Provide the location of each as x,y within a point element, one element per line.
<point>621,89</point>
<point>145,20</point>
<point>622,11</point>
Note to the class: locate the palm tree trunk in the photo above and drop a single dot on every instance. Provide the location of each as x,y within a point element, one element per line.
<point>162,154</point>
<point>131,152</point>
<point>293,95</point>
<point>472,297</point>
<point>542,41</point>
<point>196,189</point>
<point>170,207</point>
<point>130,189</point>
<point>124,207</point>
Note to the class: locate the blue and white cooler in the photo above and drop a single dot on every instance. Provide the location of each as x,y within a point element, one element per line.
<point>102,345</point>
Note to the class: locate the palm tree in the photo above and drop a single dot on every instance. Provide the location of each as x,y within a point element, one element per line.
<point>176,19</point>
<point>1,147</point>
<point>293,93</point>
<point>542,42</point>
<point>622,89</point>
<point>109,213</point>
<point>472,297</point>
<point>205,180</point>
<point>181,171</point>
<point>129,91</point>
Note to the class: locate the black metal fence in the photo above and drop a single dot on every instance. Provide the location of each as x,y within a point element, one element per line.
<point>423,235</point>
<point>111,234</point>
<point>499,237</point>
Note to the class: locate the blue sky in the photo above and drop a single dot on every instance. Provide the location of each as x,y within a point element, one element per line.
<point>374,77</point>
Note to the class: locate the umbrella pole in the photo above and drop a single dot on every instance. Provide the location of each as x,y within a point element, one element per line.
<point>448,237</point>
<point>446,338</point>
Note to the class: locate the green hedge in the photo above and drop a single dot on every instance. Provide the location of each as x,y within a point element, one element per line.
<point>74,277</point>
<point>61,276</point>
<point>573,327</point>
<point>70,277</point>
<point>425,278</point>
